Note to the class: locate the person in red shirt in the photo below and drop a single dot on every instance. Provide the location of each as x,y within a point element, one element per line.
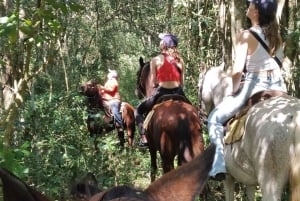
<point>167,74</point>
<point>111,96</point>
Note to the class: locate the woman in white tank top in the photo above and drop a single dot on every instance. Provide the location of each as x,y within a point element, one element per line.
<point>263,73</point>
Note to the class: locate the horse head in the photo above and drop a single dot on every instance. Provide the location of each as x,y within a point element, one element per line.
<point>85,187</point>
<point>213,81</point>
<point>143,87</point>
<point>91,91</point>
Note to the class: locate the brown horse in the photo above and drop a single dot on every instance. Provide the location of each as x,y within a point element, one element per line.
<point>174,128</point>
<point>182,184</point>
<point>16,190</point>
<point>100,120</point>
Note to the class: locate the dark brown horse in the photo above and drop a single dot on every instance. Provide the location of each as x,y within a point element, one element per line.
<point>182,184</point>
<point>100,120</point>
<point>16,190</point>
<point>174,128</point>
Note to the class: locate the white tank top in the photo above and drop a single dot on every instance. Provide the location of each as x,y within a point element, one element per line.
<point>260,59</point>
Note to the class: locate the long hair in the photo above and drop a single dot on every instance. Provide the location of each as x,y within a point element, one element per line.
<point>270,27</point>
<point>173,52</point>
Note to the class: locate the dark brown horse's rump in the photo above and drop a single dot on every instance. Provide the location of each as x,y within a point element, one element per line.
<point>182,184</point>
<point>16,190</point>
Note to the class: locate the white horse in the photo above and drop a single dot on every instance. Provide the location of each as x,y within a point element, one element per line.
<point>268,154</point>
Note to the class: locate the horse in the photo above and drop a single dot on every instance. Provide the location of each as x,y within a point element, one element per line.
<point>174,128</point>
<point>181,184</point>
<point>268,153</point>
<point>14,189</point>
<point>100,119</point>
<point>85,187</point>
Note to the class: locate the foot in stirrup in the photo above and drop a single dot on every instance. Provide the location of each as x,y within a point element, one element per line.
<point>219,177</point>
<point>143,142</point>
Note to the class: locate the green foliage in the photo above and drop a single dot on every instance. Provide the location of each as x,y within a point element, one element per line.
<point>75,41</point>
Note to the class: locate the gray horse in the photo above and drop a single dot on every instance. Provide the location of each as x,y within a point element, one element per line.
<point>268,154</point>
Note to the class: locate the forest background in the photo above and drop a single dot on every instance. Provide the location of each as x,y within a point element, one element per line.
<point>48,48</point>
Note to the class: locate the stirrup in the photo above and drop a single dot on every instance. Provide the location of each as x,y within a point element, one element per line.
<point>143,144</point>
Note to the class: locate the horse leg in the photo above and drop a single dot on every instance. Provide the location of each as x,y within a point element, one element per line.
<point>129,137</point>
<point>229,188</point>
<point>167,162</point>
<point>121,137</point>
<point>96,144</point>
<point>153,164</point>
<point>130,128</point>
<point>295,163</point>
<point>127,114</point>
<point>250,192</point>
<point>273,176</point>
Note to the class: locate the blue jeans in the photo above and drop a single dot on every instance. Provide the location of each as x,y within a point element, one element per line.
<point>115,110</point>
<point>231,105</point>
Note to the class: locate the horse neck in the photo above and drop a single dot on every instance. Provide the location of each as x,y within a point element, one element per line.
<point>96,102</point>
<point>185,182</point>
<point>146,77</point>
<point>216,85</point>
<point>15,189</point>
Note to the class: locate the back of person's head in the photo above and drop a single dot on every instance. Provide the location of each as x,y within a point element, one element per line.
<point>112,74</point>
<point>169,40</point>
<point>266,9</point>
<point>267,20</point>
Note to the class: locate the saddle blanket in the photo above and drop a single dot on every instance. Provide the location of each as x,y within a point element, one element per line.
<point>235,130</point>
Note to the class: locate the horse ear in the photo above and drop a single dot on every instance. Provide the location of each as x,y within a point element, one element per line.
<point>142,63</point>
<point>95,82</point>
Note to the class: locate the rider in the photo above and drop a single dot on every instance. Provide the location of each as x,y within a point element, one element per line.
<point>167,75</point>
<point>111,96</point>
<point>263,73</point>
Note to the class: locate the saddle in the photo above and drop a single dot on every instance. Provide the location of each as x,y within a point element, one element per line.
<point>160,100</point>
<point>103,116</point>
<point>235,127</point>
<point>167,97</point>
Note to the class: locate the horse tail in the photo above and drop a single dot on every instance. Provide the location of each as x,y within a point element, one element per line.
<point>126,110</point>
<point>192,143</point>
<point>295,162</point>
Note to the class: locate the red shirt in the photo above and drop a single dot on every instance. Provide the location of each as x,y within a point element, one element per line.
<point>110,90</point>
<point>168,71</point>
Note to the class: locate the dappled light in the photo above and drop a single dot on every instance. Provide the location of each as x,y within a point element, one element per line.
<point>264,154</point>
<point>174,129</point>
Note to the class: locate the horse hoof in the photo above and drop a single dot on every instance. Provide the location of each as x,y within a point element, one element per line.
<point>219,177</point>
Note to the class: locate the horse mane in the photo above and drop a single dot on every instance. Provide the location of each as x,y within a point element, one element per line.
<point>214,81</point>
<point>144,70</point>
<point>85,187</point>
<point>15,189</point>
<point>94,98</point>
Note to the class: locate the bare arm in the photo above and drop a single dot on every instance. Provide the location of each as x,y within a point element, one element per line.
<point>240,59</point>
<point>154,64</point>
<point>109,86</point>
<point>181,66</point>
